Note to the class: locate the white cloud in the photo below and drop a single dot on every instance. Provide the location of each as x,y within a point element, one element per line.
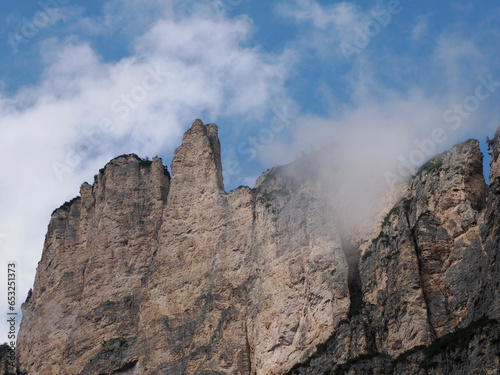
<point>126,17</point>
<point>338,15</point>
<point>331,25</point>
<point>460,62</point>
<point>421,28</point>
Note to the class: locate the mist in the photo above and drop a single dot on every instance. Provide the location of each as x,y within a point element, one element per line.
<point>367,154</point>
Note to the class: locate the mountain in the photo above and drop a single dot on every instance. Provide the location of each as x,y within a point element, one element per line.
<point>148,272</point>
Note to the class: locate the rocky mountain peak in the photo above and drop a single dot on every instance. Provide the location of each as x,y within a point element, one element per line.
<point>197,162</point>
<point>453,178</point>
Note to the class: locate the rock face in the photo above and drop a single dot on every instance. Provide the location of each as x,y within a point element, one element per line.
<point>88,286</point>
<point>429,279</point>
<point>147,273</point>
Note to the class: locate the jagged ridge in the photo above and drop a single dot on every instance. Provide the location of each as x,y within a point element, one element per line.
<point>152,273</point>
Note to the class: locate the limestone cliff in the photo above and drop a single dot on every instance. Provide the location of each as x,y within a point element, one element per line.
<point>429,279</point>
<point>156,275</point>
<point>147,273</point>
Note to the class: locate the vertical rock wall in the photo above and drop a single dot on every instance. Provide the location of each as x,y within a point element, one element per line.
<point>144,274</point>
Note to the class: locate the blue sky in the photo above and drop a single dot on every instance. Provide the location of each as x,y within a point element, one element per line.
<point>388,83</point>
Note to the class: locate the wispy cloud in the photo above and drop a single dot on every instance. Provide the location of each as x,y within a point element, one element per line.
<point>421,28</point>
<point>323,27</point>
<point>341,29</point>
<point>338,15</point>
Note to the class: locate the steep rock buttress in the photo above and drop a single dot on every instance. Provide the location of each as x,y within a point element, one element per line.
<point>88,285</point>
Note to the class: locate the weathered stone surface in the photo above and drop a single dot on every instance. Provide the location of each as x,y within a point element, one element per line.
<point>88,285</point>
<point>155,275</point>
<point>147,274</point>
<point>411,273</point>
<point>431,270</point>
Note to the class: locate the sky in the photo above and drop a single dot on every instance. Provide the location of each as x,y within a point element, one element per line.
<point>386,83</point>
